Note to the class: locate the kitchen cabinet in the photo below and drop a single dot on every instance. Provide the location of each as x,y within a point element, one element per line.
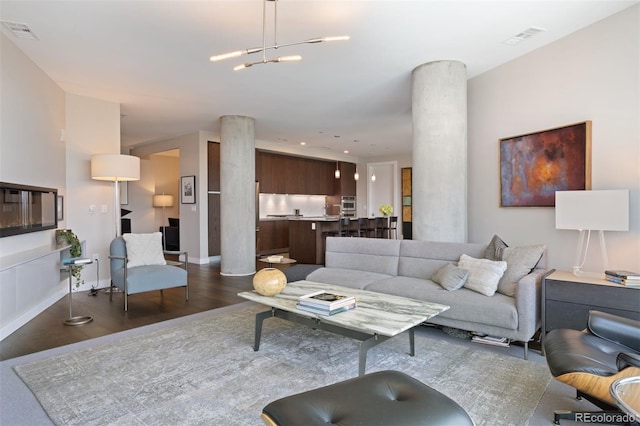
<point>213,198</point>
<point>346,185</point>
<point>273,236</point>
<point>213,166</point>
<point>287,174</point>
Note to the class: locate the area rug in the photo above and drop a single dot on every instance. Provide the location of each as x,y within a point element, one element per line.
<point>205,371</point>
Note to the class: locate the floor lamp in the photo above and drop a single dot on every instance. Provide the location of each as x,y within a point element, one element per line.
<point>586,211</point>
<point>163,201</point>
<point>115,168</point>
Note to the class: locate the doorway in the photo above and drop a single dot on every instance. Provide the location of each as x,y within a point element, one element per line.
<point>382,187</point>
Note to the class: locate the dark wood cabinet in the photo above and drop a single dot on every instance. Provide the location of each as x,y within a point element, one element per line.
<point>213,198</point>
<point>346,185</point>
<point>287,174</point>
<point>273,236</point>
<point>213,166</point>
<point>567,299</point>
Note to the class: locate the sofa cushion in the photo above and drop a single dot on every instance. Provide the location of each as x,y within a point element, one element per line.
<point>520,262</point>
<point>484,274</point>
<point>364,254</point>
<point>450,277</point>
<point>421,259</point>
<point>465,305</point>
<point>352,278</point>
<point>495,248</point>
<point>144,249</point>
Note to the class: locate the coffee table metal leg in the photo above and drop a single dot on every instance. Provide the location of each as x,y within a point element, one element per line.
<point>412,342</point>
<point>260,317</point>
<point>365,345</point>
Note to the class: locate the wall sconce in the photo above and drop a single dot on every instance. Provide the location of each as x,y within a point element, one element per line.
<point>373,177</point>
<point>588,211</point>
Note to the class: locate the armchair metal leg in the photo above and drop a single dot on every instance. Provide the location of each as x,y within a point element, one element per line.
<point>186,292</point>
<point>126,301</point>
<point>526,350</point>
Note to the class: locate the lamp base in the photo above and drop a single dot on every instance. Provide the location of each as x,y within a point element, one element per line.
<point>580,273</point>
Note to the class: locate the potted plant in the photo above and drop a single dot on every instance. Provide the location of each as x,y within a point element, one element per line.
<point>386,209</point>
<point>67,236</point>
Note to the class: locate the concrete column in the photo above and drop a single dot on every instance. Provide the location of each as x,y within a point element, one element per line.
<point>237,196</point>
<point>439,110</point>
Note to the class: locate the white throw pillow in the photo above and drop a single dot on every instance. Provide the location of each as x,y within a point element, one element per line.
<point>144,249</point>
<point>484,274</point>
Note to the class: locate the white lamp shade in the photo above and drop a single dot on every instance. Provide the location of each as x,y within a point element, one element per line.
<point>115,167</point>
<point>163,200</point>
<point>604,210</point>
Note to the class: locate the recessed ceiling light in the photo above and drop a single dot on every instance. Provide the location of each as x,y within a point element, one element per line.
<point>303,143</point>
<point>520,37</point>
<point>20,30</point>
<point>346,151</point>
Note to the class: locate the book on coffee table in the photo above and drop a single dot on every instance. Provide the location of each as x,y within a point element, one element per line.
<point>327,300</point>
<point>326,311</point>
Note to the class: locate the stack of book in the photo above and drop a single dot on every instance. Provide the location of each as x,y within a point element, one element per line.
<point>326,302</point>
<point>491,340</point>
<point>628,278</point>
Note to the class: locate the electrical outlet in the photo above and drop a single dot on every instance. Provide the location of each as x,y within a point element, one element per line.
<point>95,257</point>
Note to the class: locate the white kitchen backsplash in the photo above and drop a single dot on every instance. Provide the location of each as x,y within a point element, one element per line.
<point>281,204</point>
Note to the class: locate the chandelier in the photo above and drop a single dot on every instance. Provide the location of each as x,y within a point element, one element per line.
<point>276,45</point>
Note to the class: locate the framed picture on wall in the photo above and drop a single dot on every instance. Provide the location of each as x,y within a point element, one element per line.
<point>536,165</point>
<point>188,189</point>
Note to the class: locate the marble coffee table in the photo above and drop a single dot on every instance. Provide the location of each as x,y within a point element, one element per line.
<point>377,317</point>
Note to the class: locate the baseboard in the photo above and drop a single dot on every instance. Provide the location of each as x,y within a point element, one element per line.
<point>31,313</point>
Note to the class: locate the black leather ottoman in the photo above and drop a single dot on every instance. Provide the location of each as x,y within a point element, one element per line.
<point>382,398</point>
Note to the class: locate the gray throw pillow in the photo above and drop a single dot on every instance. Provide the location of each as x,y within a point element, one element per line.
<point>450,277</point>
<point>495,248</point>
<point>520,261</point>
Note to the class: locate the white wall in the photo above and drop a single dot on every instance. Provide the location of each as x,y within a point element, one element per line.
<point>92,127</point>
<point>592,74</point>
<point>32,116</point>
<point>193,217</point>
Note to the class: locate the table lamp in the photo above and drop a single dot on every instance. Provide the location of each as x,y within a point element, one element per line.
<point>115,168</point>
<point>586,211</point>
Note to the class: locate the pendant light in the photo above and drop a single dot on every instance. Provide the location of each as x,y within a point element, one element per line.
<point>356,175</point>
<point>264,47</point>
<point>337,172</point>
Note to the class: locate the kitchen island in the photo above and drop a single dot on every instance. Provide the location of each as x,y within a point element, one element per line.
<point>307,237</point>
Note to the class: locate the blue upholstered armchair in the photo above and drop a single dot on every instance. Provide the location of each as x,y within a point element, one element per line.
<point>146,268</point>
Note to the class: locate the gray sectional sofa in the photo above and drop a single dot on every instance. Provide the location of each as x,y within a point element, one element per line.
<point>405,268</point>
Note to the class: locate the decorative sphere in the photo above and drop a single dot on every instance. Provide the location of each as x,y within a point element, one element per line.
<point>269,281</point>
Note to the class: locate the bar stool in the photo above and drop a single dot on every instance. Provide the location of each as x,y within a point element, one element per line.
<point>363,227</point>
<point>392,226</point>
<point>344,227</point>
<point>378,227</point>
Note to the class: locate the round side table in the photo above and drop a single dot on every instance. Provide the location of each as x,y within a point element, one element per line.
<point>70,262</point>
<point>626,393</point>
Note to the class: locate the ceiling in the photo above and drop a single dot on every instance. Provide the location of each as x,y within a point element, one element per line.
<point>152,57</point>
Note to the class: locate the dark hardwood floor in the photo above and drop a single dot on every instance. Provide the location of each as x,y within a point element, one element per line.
<point>207,290</point>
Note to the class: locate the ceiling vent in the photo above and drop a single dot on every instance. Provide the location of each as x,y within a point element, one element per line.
<point>20,30</point>
<point>519,38</point>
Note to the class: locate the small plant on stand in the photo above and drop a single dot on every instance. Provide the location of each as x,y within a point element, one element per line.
<point>66,236</point>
